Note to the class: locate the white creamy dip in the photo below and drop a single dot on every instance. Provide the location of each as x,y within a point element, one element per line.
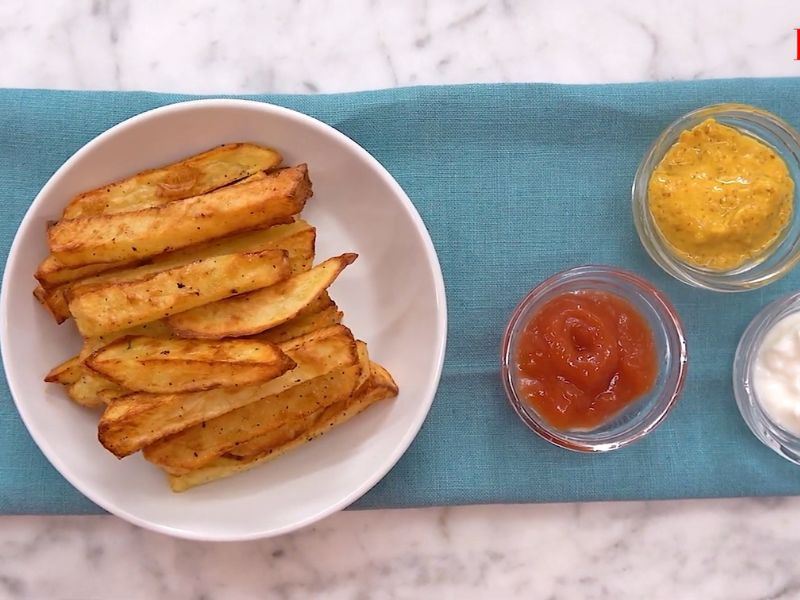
<point>776,373</point>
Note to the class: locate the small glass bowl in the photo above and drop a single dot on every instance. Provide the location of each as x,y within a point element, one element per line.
<point>763,427</point>
<point>766,268</point>
<point>641,416</point>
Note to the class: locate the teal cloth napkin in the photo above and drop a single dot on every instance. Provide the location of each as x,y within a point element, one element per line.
<point>514,182</point>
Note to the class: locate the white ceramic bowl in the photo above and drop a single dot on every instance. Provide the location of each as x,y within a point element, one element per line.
<point>392,296</point>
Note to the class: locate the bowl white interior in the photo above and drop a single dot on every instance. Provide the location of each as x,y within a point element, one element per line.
<point>392,297</point>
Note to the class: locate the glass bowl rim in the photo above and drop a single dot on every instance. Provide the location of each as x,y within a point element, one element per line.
<point>668,397</point>
<point>774,436</point>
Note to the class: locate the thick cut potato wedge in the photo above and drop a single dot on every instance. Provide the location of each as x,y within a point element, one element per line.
<point>260,310</point>
<point>193,176</point>
<point>92,390</point>
<point>56,304</point>
<point>296,238</point>
<point>153,329</point>
<point>143,233</point>
<point>144,364</point>
<point>261,444</point>
<point>198,445</point>
<point>379,387</point>
<point>116,306</point>
<point>55,301</point>
<point>52,274</point>
<point>140,419</point>
<point>301,325</point>
<point>67,372</point>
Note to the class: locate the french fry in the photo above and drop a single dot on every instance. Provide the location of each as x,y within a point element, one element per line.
<point>276,443</point>
<point>144,364</point>
<point>260,444</point>
<point>67,372</point>
<point>261,310</point>
<point>92,390</point>
<point>296,238</point>
<point>104,309</point>
<point>138,420</point>
<point>143,233</point>
<point>301,325</point>
<point>193,176</point>
<point>153,329</point>
<point>52,273</point>
<point>198,445</point>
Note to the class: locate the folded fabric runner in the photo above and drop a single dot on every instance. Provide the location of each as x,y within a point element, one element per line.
<point>514,182</point>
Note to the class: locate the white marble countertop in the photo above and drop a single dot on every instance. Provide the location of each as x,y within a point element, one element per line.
<point>726,549</point>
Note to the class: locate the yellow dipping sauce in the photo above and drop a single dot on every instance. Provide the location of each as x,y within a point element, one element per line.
<point>720,197</point>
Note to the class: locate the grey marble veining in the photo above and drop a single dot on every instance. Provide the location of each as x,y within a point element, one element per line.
<point>724,549</point>
<point>325,46</point>
<point>721,550</point>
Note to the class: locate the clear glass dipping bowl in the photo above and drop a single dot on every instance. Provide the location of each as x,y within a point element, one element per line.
<point>641,416</point>
<point>763,427</point>
<point>777,260</point>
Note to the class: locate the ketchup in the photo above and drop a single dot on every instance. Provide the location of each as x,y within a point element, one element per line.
<point>583,357</point>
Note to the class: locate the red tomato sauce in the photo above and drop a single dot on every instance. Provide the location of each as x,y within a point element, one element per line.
<point>583,357</point>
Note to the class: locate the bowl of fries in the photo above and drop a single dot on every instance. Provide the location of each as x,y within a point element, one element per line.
<point>237,324</point>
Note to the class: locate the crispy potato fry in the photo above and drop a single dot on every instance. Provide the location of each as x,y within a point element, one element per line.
<point>273,238</point>
<point>260,444</point>
<point>193,176</point>
<point>116,306</point>
<point>55,301</point>
<point>67,372</point>
<point>301,325</point>
<point>52,274</point>
<point>92,390</point>
<point>144,364</point>
<point>379,387</point>
<point>56,305</point>
<point>153,329</point>
<point>140,419</point>
<point>39,293</point>
<point>296,238</point>
<point>198,445</point>
<point>261,310</point>
<point>143,233</point>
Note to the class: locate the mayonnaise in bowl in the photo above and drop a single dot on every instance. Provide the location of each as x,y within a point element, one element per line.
<point>776,373</point>
<point>766,376</point>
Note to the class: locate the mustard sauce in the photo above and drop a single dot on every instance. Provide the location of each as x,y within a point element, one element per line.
<point>719,197</point>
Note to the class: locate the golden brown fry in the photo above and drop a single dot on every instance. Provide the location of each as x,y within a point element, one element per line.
<point>116,306</point>
<point>140,234</point>
<point>153,329</point>
<point>140,419</point>
<point>296,238</point>
<point>52,273</point>
<point>261,310</point>
<point>160,366</point>
<point>278,442</point>
<point>301,325</point>
<point>261,444</point>
<point>67,372</point>
<point>198,445</point>
<point>193,176</point>
<point>92,390</point>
